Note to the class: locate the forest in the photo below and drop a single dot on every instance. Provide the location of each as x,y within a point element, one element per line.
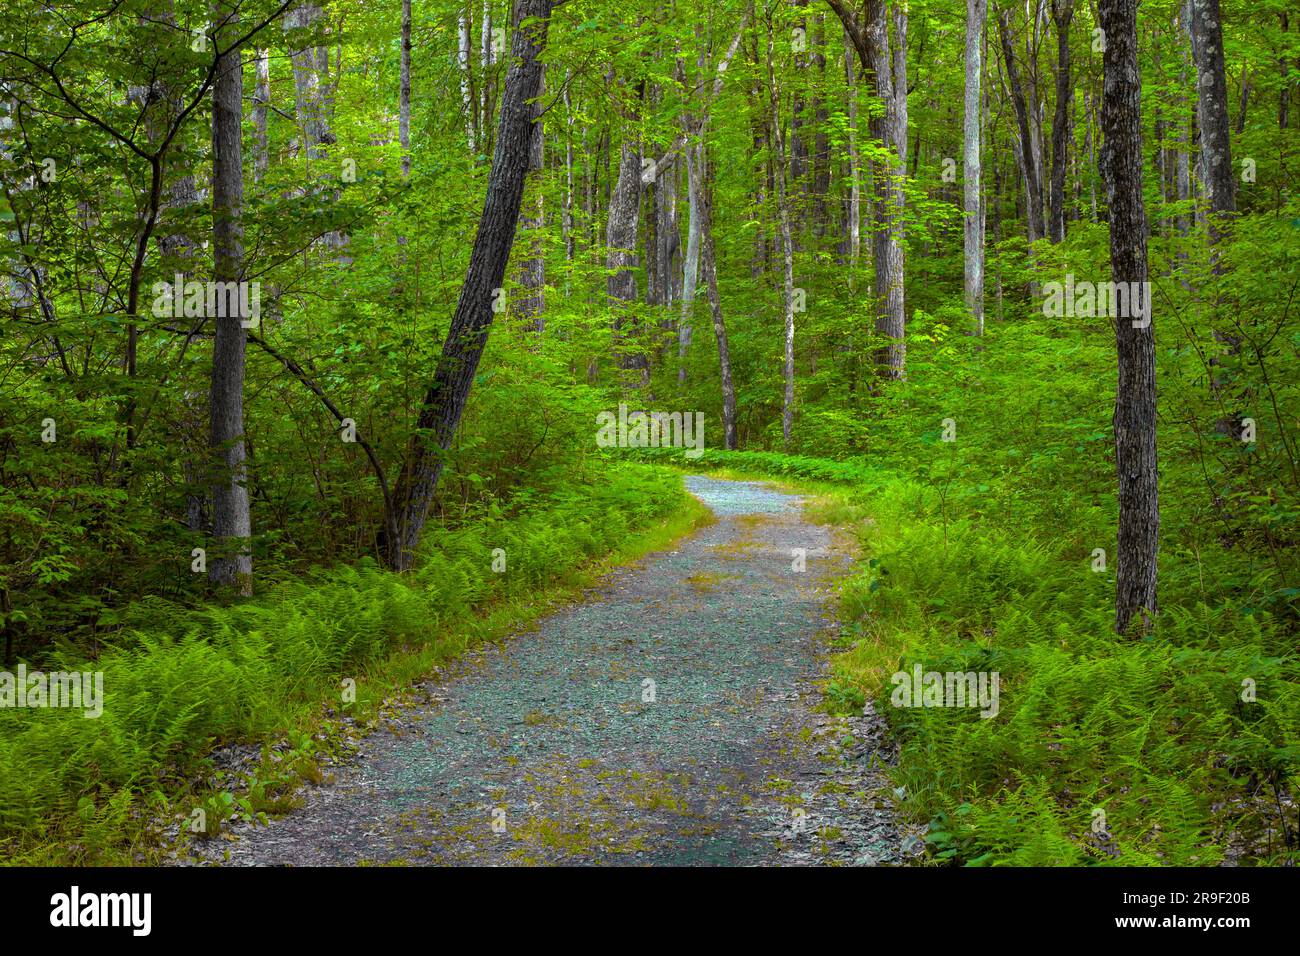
<point>923,374</point>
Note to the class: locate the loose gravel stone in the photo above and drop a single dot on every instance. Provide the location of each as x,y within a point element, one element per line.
<point>671,717</point>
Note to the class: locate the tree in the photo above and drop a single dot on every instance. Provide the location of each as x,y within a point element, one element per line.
<point>444,402</point>
<point>1062,13</point>
<point>1206,28</point>
<point>973,224</point>
<point>1135,397</point>
<point>870,37</point>
<point>783,226</point>
<point>531,274</point>
<point>404,91</point>
<point>1028,154</point>
<point>232,566</point>
<point>702,205</point>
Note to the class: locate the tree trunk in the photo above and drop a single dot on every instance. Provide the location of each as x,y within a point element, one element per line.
<point>485,69</point>
<point>973,245</point>
<point>1062,13</point>
<point>232,566</point>
<point>871,40</point>
<point>1206,29</point>
<point>715,306</point>
<point>1182,156</point>
<point>668,237</point>
<point>467,98</point>
<point>1135,398</point>
<point>404,92</point>
<point>1028,165</point>
<point>821,159</point>
<point>261,106</point>
<point>1245,99</point>
<point>566,218</point>
<point>532,269</point>
<point>622,229</point>
<point>887,245</point>
<point>787,251</point>
<point>855,170</point>
<point>691,267</point>
<point>309,96</point>
<point>445,400</point>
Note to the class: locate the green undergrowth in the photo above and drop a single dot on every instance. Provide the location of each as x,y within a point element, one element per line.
<point>178,682</point>
<point>1178,748</point>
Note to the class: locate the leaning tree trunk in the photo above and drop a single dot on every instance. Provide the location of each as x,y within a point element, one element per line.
<point>1028,152</point>
<point>1062,14</point>
<point>1135,398</point>
<point>232,566</point>
<point>445,400</point>
<point>973,233</point>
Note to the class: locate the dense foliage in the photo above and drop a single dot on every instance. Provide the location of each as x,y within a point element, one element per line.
<point>980,484</point>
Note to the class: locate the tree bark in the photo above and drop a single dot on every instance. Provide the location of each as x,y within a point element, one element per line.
<point>622,229</point>
<point>232,566</point>
<point>871,40</point>
<point>973,238</point>
<point>468,100</point>
<point>710,267</point>
<point>532,269</point>
<point>1206,30</point>
<point>1062,14</point>
<point>1027,153</point>
<point>404,92</point>
<point>691,266</point>
<point>308,82</point>
<point>261,106</point>
<point>445,400</point>
<point>1212,115</point>
<point>787,251</point>
<point>1135,398</point>
<point>854,229</point>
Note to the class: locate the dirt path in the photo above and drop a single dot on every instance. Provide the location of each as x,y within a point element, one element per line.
<point>555,748</point>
